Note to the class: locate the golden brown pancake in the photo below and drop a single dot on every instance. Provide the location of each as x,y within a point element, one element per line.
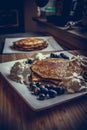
<point>55,68</point>
<point>37,78</point>
<point>30,44</point>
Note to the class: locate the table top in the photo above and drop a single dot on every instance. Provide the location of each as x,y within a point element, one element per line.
<point>16,115</point>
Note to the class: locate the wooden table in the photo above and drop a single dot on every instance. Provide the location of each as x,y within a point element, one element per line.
<point>16,115</point>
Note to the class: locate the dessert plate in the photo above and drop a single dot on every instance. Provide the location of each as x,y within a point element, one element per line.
<point>52,45</point>
<point>25,93</point>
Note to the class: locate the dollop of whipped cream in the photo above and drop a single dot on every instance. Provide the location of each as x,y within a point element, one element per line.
<point>20,72</point>
<point>74,83</point>
<point>40,56</point>
<point>81,60</point>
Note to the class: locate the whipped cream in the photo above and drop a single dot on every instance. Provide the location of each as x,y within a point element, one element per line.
<point>81,60</point>
<point>20,72</point>
<point>40,56</point>
<point>74,83</point>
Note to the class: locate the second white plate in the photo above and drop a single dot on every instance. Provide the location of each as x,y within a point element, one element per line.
<point>52,45</point>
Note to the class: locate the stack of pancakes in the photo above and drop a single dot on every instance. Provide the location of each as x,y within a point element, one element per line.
<point>53,69</point>
<point>30,44</point>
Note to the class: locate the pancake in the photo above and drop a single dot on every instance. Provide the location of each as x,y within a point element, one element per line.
<point>37,78</point>
<point>30,44</point>
<point>55,68</point>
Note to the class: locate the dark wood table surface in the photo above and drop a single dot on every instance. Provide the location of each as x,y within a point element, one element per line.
<point>16,115</point>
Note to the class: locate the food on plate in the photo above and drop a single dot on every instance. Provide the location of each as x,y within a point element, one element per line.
<point>61,55</point>
<point>45,91</point>
<point>84,75</point>
<point>30,44</point>
<point>48,76</point>
<point>20,72</point>
<point>40,56</point>
<point>61,71</point>
<point>74,83</point>
<point>52,68</point>
<point>37,78</point>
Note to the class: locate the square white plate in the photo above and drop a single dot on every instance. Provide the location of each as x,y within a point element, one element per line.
<point>52,45</point>
<point>26,95</point>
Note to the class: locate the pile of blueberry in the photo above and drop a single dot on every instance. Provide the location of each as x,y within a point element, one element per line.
<point>45,91</point>
<point>85,76</point>
<point>61,55</point>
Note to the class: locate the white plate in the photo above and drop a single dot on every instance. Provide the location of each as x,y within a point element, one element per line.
<point>26,95</point>
<point>52,45</point>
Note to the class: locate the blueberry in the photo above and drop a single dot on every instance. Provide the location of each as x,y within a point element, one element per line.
<point>29,61</point>
<point>41,96</point>
<point>85,76</point>
<point>58,56</point>
<point>52,55</point>
<point>36,90</point>
<point>61,90</point>
<point>64,56</point>
<point>41,86</point>
<point>47,86</point>
<point>38,84</point>
<point>57,89</point>
<point>52,93</point>
<point>44,91</point>
<point>32,86</point>
<point>32,83</point>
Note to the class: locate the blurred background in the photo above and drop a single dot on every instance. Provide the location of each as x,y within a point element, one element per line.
<point>16,15</point>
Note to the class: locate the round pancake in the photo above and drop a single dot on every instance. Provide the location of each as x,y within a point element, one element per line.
<point>30,44</point>
<point>55,68</point>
